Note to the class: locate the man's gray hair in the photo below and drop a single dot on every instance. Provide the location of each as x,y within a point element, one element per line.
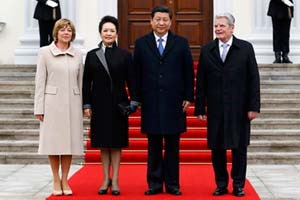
<point>228,16</point>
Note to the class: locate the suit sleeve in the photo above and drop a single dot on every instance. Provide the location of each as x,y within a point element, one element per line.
<point>188,73</point>
<point>137,65</point>
<point>201,87</point>
<point>40,84</point>
<point>253,82</point>
<point>87,83</point>
<point>131,79</point>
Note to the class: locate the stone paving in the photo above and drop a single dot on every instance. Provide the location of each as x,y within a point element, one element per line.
<point>24,182</point>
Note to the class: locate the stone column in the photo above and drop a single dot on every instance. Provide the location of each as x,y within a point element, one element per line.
<point>29,43</point>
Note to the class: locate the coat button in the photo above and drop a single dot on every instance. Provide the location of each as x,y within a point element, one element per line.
<point>160,76</point>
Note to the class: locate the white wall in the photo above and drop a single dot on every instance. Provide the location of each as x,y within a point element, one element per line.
<point>12,13</point>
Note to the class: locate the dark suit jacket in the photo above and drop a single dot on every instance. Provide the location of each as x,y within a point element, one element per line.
<point>165,82</point>
<point>280,10</point>
<point>44,12</point>
<point>104,87</point>
<point>229,90</point>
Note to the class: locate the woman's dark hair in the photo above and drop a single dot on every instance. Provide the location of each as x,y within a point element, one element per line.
<point>163,9</point>
<point>110,19</point>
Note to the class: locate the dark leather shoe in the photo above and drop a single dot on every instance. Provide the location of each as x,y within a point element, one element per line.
<point>115,192</point>
<point>239,192</point>
<point>220,191</point>
<point>152,191</point>
<point>173,191</point>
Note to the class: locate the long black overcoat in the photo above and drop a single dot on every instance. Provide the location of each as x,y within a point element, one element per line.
<point>104,91</point>
<point>229,90</point>
<point>278,9</point>
<point>165,82</point>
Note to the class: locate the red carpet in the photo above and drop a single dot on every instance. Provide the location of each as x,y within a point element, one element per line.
<point>197,182</point>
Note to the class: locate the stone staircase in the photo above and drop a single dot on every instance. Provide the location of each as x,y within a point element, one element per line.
<point>275,134</point>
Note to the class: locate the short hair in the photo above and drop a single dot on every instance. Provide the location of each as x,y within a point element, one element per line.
<point>163,9</point>
<point>107,19</point>
<point>228,16</point>
<point>61,23</point>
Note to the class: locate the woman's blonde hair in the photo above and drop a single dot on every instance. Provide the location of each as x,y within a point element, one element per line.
<point>61,24</point>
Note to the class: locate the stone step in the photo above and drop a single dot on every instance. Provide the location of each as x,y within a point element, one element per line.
<point>278,113</point>
<point>280,93</point>
<point>17,68</point>
<point>17,76</point>
<point>16,94</point>
<point>31,158</point>
<point>272,124</point>
<point>13,113</point>
<point>278,67</point>
<point>274,146</point>
<point>280,84</point>
<point>19,134</point>
<point>19,146</point>
<point>273,157</point>
<point>280,75</point>
<point>280,103</point>
<point>17,85</point>
<point>16,103</point>
<point>275,134</point>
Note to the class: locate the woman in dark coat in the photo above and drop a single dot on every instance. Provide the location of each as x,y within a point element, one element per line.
<point>108,70</point>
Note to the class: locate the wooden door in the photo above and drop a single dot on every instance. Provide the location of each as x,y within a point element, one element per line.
<point>192,19</point>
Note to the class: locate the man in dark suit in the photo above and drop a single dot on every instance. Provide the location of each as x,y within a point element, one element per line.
<point>282,12</point>
<point>166,81</point>
<point>228,84</point>
<point>47,12</point>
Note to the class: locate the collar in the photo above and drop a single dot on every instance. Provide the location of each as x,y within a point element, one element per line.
<point>228,42</point>
<point>56,51</point>
<point>163,37</point>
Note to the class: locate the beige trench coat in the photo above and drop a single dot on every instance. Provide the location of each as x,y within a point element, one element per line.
<point>58,97</point>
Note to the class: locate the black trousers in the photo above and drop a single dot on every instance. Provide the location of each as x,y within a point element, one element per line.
<point>239,167</point>
<point>281,35</point>
<point>45,30</point>
<point>163,168</point>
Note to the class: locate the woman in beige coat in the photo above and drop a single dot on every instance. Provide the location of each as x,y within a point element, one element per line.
<point>57,103</point>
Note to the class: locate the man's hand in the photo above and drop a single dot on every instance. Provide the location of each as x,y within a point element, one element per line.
<point>288,3</point>
<point>252,115</point>
<point>185,105</point>
<point>88,113</point>
<point>202,117</point>
<point>40,117</point>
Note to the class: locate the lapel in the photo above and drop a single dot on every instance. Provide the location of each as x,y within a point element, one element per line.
<point>150,39</point>
<point>170,43</point>
<point>102,59</point>
<point>216,52</point>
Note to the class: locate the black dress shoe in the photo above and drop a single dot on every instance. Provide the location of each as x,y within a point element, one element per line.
<point>220,191</point>
<point>173,191</point>
<point>152,191</point>
<point>115,192</point>
<point>239,192</point>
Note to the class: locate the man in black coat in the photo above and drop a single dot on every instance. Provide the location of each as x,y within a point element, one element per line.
<point>228,84</point>
<point>166,81</point>
<point>47,12</point>
<point>282,12</point>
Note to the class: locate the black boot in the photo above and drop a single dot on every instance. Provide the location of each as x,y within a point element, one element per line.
<point>277,57</point>
<point>285,58</point>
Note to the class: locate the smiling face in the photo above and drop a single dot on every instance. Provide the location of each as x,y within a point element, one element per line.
<point>223,30</point>
<point>108,33</point>
<point>161,23</point>
<point>64,34</point>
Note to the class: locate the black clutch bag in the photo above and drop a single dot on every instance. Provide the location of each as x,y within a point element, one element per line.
<point>124,108</point>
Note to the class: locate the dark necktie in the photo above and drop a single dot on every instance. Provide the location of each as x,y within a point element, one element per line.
<point>160,46</point>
